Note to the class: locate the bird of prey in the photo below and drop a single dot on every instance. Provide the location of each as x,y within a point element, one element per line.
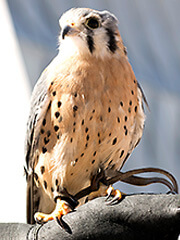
<point>86,114</point>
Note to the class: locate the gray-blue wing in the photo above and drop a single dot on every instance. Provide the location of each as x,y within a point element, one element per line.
<point>39,105</point>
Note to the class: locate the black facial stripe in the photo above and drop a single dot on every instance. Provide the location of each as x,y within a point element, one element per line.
<point>90,43</point>
<point>112,41</point>
<point>89,39</point>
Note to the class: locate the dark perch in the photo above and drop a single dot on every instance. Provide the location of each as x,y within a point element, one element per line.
<point>145,216</point>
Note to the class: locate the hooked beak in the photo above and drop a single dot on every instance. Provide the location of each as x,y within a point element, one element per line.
<point>68,31</point>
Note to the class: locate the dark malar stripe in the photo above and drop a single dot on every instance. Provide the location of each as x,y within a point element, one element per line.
<point>112,41</point>
<point>90,43</point>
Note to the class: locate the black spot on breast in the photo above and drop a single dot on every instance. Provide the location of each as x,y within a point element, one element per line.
<point>82,154</point>
<point>74,129</point>
<point>75,94</point>
<point>91,118</point>
<point>109,109</point>
<point>112,45</point>
<point>129,110</point>
<point>48,133</point>
<point>59,104</point>
<point>75,107</point>
<point>98,134</point>
<point>93,111</point>
<point>44,150</point>
<point>52,189</point>
<point>86,129</point>
<point>114,141</point>
<point>134,81</point>
<point>82,123</point>
<point>56,182</point>
<point>125,118</point>
<point>130,103</point>
<point>135,108</point>
<point>126,131</point>
<point>71,140</point>
<point>86,145</point>
<point>74,123</point>
<point>109,134</point>
<point>94,153</point>
<point>52,83</point>
<point>93,161</point>
<point>44,122</point>
<point>57,114</point>
<point>42,169</point>
<point>99,141</point>
<point>42,130</point>
<point>54,93</point>
<point>122,152</point>
<point>56,128</point>
<point>87,137</point>
<point>101,119</point>
<point>46,140</point>
<point>121,103</point>
<point>118,119</point>
<point>76,159</point>
<point>132,92</point>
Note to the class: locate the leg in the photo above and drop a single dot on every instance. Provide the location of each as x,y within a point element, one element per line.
<point>62,208</point>
<point>64,204</point>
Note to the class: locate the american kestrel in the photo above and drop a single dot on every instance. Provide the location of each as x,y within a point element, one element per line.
<point>86,114</point>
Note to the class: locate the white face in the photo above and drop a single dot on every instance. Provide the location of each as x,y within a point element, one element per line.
<point>87,31</point>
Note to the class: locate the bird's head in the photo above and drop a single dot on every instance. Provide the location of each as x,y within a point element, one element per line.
<point>88,31</point>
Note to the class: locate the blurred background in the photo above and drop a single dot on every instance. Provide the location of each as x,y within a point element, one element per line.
<point>29,40</point>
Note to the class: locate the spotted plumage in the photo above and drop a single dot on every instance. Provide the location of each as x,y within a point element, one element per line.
<point>86,110</point>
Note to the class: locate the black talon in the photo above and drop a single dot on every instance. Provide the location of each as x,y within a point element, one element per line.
<point>64,225</point>
<point>86,200</point>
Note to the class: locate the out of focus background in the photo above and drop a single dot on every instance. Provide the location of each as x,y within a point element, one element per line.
<point>29,40</point>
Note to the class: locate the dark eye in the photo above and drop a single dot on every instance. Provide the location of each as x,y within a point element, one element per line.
<point>92,23</point>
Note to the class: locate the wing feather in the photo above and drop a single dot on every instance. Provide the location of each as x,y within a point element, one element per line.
<point>39,105</point>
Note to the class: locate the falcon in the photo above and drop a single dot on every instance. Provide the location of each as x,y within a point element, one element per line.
<point>86,115</point>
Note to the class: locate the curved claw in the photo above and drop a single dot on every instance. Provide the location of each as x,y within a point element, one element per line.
<point>115,193</point>
<point>64,225</point>
<point>109,192</point>
<point>62,208</point>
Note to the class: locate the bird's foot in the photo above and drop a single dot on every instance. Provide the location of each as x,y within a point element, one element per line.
<point>115,193</point>
<point>99,193</point>
<point>62,208</point>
